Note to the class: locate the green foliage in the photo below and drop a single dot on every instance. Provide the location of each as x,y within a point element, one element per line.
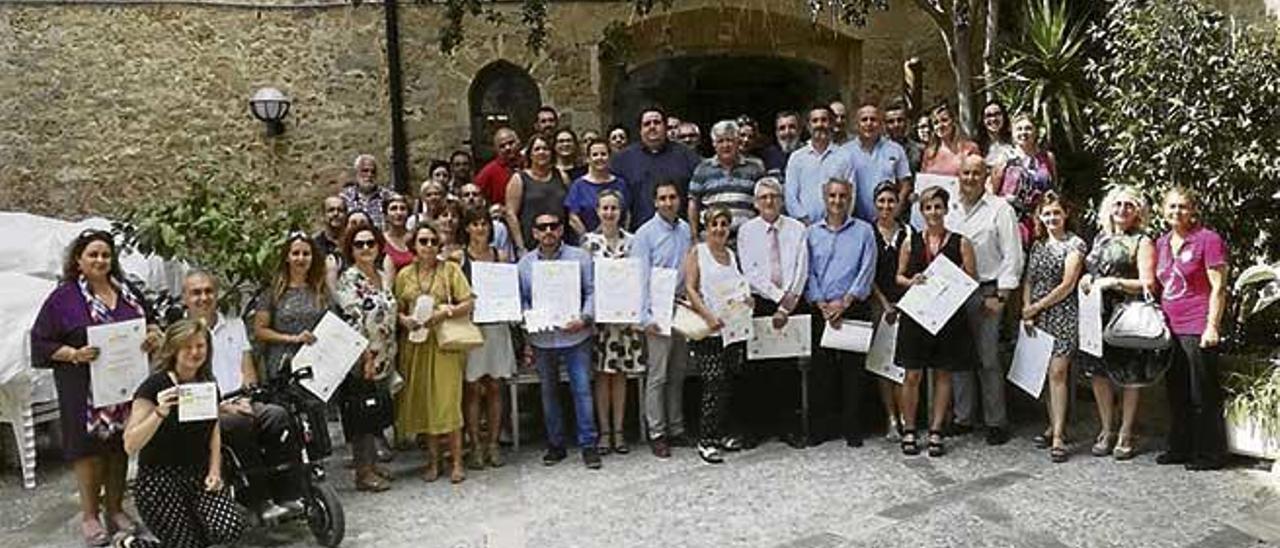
<point>229,226</point>
<point>1252,384</point>
<point>1042,74</point>
<point>1186,96</point>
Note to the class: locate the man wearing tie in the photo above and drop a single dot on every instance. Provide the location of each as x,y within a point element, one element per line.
<point>842,263</point>
<point>775,260</point>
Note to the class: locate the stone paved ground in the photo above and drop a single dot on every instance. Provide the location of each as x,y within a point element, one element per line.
<point>772,497</point>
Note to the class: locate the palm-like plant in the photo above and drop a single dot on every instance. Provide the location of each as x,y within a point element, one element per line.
<point>1043,73</point>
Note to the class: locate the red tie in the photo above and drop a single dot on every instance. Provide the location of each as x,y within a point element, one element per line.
<point>775,257</point>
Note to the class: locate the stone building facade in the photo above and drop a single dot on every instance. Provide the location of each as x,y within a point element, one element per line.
<point>102,103</point>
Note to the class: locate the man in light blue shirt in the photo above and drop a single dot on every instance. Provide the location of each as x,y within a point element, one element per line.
<point>662,242</point>
<point>842,262</point>
<point>570,342</point>
<point>810,167</point>
<point>874,159</point>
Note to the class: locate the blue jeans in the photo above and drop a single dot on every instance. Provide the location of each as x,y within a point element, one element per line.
<point>577,360</point>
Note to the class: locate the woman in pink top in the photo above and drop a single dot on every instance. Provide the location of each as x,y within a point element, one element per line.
<point>947,146</point>
<point>1191,266</point>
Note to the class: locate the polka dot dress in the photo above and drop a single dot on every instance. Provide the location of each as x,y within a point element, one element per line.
<point>173,503</point>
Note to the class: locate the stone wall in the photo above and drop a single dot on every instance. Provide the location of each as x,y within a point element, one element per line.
<point>101,103</point>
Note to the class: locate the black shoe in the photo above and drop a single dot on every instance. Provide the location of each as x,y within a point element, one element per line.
<point>853,441</point>
<point>554,455</point>
<point>957,429</point>
<point>1203,464</point>
<point>997,436</point>
<point>591,458</point>
<point>661,447</point>
<point>1169,457</point>
<point>795,440</point>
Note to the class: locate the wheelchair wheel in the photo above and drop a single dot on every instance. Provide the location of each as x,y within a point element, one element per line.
<point>324,514</point>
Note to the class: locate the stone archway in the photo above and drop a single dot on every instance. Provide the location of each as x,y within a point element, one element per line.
<point>501,94</point>
<point>719,61</point>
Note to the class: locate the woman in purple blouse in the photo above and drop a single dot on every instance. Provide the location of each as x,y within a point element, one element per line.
<point>1191,266</point>
<point>92,292</point>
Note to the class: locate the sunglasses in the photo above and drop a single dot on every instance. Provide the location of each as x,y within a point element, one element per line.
<point>93,233</point>
<point>428,241</point>
<point>297,235</point>
<point>546,226</point>
<point>364,244</point>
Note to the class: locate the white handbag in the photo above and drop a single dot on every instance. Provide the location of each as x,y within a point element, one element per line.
<point>688,323</point>
<point>1138,325</point>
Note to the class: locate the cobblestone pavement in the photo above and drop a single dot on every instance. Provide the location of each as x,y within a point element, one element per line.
<point>773,497</point>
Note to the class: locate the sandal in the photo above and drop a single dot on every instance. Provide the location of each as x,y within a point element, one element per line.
<point>432,471</point>
<point>1124,449</point>
<point>121,523</point>
<point>458,475</point>
<point>603,444</point>
<point>910,446</point>
<point>1058,453</point>
<point>94,533</point>
<point>494,456</point>
<point>1043,440</point>
<point>936,448</point>
<point>618,442</point>
<point>1102,446</point>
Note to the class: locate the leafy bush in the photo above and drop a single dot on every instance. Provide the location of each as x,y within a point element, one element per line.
<point>1186,96</point>
<point>231,227</point>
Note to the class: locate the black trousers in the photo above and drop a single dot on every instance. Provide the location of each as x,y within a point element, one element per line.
<point>766,399</point>
<point>265,440</point>
<point>837,381</point>
<point>1196,428</point>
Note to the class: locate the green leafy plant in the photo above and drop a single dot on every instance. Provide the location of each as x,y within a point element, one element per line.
<point>1186,96</point>
<point>1252,385</point>
<point>229,226</point>
<point>1042,73</point>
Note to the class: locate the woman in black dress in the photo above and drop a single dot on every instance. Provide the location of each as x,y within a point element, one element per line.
<point>951,349</point>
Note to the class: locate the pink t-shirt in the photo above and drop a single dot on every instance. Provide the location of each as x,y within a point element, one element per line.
<point>1184,280</point>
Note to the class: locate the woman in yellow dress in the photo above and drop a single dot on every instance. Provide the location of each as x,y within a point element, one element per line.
<point>430,403</point>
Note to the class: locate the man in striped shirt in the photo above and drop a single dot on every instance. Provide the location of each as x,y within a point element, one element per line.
<point>727,179</point>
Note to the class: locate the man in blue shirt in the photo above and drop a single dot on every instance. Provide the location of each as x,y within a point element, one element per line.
<point>570,342</point>
<point>651,160</point>
<point>663,242</point>
<point>810,167</point>
<point>875,158</point>
<point>842,261</point>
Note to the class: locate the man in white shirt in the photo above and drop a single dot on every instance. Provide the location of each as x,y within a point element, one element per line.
<point>775,260</point>
<point>258,432</point>
<point>992,227</point>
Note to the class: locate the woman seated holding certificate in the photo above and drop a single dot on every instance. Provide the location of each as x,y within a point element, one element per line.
<point>715,285</point>
<point>92,293</point>
<point>179,490</point>
<point>948,351</point>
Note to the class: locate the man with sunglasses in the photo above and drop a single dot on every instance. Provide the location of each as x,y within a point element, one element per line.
<point>570,342</point>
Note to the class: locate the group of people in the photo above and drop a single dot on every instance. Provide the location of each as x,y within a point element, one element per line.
<point>831,228</point>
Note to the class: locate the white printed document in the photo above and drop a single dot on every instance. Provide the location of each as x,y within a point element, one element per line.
<point>1090,325</point>
<point>662,298</point>
<point>792,341</point>
<point>121,364</point>
<point>1031,360</point>
<point>556,295</point>
<point>336,349</point>
<point>617,291</point>
<point>853,336</point>
<point>197,401</point>
<point>945,290</point>
<point>880,357</point>
<point>497,289</point>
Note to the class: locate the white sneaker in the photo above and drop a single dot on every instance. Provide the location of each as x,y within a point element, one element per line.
<point>710,454</point>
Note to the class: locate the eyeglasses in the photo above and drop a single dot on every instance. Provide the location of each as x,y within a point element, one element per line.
<point>364,244</point>
<point>547,226</point>
<point>684,136</point>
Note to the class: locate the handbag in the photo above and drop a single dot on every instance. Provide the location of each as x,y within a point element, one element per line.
<point>367,405</point>
<point>458,334</point>
<point>1138,325</point>
<point>688,323</point>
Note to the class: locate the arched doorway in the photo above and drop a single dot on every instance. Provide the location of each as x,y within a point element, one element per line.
<point>501,94</point>
<point>707,88</point>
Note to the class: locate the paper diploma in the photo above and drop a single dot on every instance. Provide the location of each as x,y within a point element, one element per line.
<point>121,364</point>
<point>422,309</point>
<point>197,401</point>
<point>617,291</point>
<point>853,336</point>
<point>662,298</point>
<point>336,349</point>
<point>1031,361</point>
<point>497,289</point>
<point>557,294</point>
<point>880,357</point>
<point>792,341</point>
<point>944,291</point>
<point>1090,325</point>
<point>738,325</point>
